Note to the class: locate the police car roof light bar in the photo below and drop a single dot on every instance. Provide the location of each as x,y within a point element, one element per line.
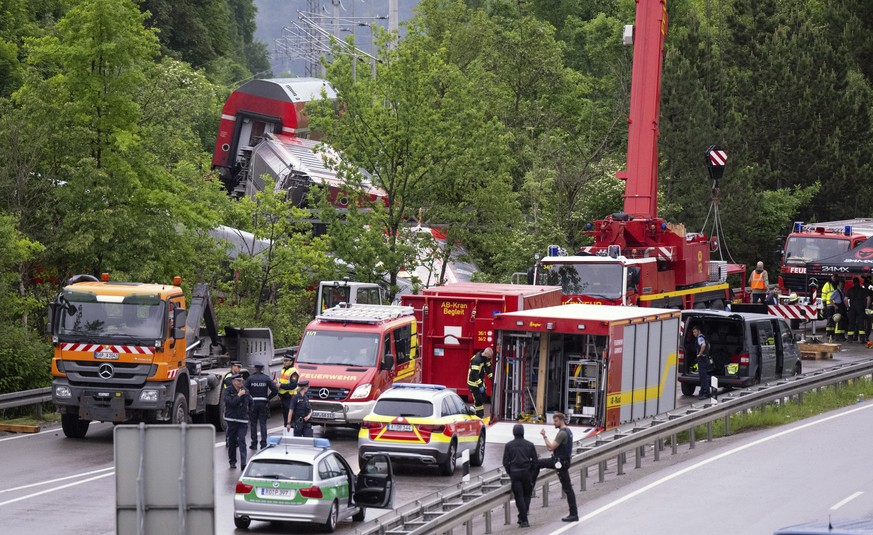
<point>275,440</point>
<point>423,386</point>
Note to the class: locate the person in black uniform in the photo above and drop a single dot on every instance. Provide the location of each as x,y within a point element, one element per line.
<point>857,304</point>
<point>235,368</point>
<point>562,452</point>
<point>300,411</point>
<point>236,413</point>
<point>519,461</point>
<point>262,390</point>
<point>480,366</point>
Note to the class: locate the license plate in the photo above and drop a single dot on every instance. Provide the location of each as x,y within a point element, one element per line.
<point>399,427</point>
<point>322,415</point>
<point>283,494</point>
<point>105,355</point>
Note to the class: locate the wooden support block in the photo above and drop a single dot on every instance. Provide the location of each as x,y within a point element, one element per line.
<point>16,428</point>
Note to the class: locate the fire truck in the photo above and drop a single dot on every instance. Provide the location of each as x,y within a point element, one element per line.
<point>637,258</point>
<point>134,352</point>
<point>810,242</point>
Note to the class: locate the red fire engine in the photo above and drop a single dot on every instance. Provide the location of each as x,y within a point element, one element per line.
<point>638,258</point>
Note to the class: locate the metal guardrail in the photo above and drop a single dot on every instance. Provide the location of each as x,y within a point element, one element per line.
<point>25,398</point>
<point>476,500</point>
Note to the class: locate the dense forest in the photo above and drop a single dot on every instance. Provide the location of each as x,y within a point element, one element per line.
<point>502,120</point>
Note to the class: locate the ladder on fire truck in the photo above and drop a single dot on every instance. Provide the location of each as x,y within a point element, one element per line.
<point>365,313</point>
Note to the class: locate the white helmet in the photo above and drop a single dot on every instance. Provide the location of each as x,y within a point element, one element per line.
<point>837,317</point>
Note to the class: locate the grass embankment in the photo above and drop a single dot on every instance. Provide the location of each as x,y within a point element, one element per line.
<point>791,410</point>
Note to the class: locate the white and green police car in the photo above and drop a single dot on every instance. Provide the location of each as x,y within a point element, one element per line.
<point>297,479</point>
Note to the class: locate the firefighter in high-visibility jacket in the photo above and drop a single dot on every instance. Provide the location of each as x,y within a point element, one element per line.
<point>826,291</point>
<point>480,366</point>
<point>288,378</point>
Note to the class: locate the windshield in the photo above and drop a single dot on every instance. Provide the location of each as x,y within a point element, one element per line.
<point>131,316</point>
<point>331,296</point>
<point>403,407</point>
<point>800,250</point>
<point>594,279</point>
<point>279,469</point>
<point>339,347</point>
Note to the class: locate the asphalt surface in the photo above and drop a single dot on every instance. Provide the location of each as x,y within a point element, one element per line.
<point>51,484</point>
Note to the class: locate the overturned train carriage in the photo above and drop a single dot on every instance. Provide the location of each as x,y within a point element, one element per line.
<point>601,366</point>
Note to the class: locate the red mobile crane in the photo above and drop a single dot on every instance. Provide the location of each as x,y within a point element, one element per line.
<point>637,258</point>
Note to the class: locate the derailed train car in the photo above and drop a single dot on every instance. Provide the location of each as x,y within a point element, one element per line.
<point>601,366</point>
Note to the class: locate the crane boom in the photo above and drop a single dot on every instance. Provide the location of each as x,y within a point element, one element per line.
<point>641,174</point>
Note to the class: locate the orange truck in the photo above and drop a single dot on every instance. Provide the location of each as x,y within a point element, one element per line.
<point>134,352</point>
<point>352,353</point>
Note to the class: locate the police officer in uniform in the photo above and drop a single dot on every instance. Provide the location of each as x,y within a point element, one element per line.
<point>262,390</point>
<point>300,412</point>
<point>519,461</point>
<point>235,368</point>
<point>562,452</point>
<point>236,413</point>
<point>480,366</point>
<point>288,378</point>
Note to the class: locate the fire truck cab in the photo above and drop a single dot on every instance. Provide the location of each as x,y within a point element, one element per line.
<point>815,241</point>
<point>351,354</point>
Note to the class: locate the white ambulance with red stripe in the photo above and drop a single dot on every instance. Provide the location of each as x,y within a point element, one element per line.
<point>134,352</point>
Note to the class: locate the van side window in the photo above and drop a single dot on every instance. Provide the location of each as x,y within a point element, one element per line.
<point>786,334</point>
<point>765,334</point>
<point>386,346</point>
<point>402,343</point>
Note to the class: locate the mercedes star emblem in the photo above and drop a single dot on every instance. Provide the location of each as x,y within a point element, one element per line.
<point>106,371</point>
<point>323,393</point>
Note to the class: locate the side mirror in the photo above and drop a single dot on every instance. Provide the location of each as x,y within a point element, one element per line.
<point>777,255</point>
<point>49,328</point>
<point>180,316</point>
<point>471,411</point>
<point>388,362</point>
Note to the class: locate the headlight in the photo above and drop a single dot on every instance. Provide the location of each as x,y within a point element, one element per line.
<point>149,396</point>
<point>63,392</point>
<point>361,392</point>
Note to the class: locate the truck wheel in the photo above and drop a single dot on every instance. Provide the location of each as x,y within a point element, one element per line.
<point>477,456</point>
<point>74,427</point>
<point>699,306</point>
<point>688,389</point>
<point>180,410</point>
<point>215,415</point>
<point>718,304</point>
<point>447,468</point>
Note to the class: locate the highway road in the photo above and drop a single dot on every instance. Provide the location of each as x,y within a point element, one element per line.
<point>68,486</point>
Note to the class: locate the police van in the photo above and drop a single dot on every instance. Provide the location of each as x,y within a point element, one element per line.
<point>746,349</point>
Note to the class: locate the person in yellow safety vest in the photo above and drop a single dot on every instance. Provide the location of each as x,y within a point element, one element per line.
<point>288,378</point>
<point>759,282</point>
<point>826,292</point>
<point>480,366</point>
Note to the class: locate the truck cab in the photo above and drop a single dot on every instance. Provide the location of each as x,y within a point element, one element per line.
<point>332,293</point>
<point>351,354</point>
<point>815,241</point>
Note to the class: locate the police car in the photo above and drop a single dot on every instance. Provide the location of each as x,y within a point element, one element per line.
<point>422,423</point>
<point>298,479</point>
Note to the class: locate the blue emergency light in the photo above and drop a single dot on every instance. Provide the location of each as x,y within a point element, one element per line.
<point>848,230</point>
<point>798,226</point>
<point>553,250</point>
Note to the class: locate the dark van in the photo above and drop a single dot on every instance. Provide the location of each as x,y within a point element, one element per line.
<point>745,348</point>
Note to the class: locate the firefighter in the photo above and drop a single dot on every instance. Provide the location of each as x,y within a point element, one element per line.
<point>262,390</point>
<point>480,366</point>
<point>826,291</point>
<point>838,298</point>
<point>300,412</point>
<point>236,413</point>
<point>857,304</point>
<point>287,385</point>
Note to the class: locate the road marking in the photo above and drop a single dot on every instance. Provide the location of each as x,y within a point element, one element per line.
<point>35,494</point>
<point>847,500</point>
<point>702,463</point>
<point>56,480</point>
